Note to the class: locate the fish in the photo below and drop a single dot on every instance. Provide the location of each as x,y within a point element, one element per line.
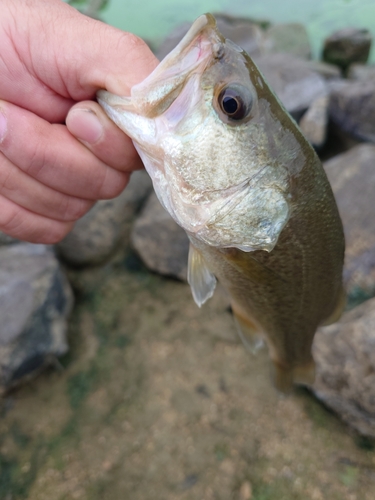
<point>235,172</point>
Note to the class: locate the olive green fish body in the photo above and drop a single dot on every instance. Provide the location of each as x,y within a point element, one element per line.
<point>288,292</point>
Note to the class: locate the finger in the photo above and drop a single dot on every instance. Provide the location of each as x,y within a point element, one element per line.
<point>28,226</point>
<point>52,156</point>
<point>72,55</point>
<point>38,198</point>
<point>88,122</point>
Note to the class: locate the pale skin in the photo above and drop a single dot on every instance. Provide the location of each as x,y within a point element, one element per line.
<point>59,153</point>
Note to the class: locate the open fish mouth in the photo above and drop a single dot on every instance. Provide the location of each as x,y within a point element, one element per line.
<point>151,97</point>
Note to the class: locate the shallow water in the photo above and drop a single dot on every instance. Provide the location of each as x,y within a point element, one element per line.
<point>153,20</point>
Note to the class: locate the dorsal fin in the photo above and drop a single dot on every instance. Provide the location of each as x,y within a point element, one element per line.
<point>200,278</point>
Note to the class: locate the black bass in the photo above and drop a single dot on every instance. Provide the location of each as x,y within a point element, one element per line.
<point>233,169</point>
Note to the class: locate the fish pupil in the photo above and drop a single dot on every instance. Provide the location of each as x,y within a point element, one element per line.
<point>235,102</point>
<point>230,105</point>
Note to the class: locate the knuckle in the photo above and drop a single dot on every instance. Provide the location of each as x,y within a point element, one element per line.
<point>112,184</point>
<point>36,160</point>
<point>10,221</point>
<point>130,42</point>
<point>55,234</point>
<point>18,223</point>
<point>5,178</point>
<point>72,209</point>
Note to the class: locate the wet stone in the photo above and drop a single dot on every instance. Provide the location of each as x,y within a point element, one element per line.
<point>352,176</point>
<point>327,71</point>
<point>345,361</point>
<point>35,301</point>
<point>347,46</point>
<point>290,38</point>
<point>160,242</point>
<point>242,31</point>
<point>362,72</point>
<point>293,82</point>
<point>96,236</point>
<point>352,108</point>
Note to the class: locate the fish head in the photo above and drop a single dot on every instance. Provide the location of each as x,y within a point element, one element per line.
<point>213,139</point>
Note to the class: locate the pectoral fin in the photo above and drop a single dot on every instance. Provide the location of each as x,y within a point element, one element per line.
<point>200,278</point>
<point>247,330</point>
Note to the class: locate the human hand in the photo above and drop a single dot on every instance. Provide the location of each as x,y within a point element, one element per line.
<point>52,61</point>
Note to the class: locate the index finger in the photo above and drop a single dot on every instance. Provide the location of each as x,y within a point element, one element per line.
<point>70,55</point>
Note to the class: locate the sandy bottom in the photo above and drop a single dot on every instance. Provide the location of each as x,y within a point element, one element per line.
<point>158,400</point>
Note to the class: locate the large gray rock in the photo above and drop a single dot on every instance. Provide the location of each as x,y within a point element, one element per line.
<point>352,176</point>
<point>244,32</point>
<point>35,300</point>
<point>96,236</point>
<point>291,38</point>
<point>347,46</point>
<point>328,71</point>
<point>352,108</point>
<point>345,361</point>
<point>294,83</point>
<point>161,243</point>
<point>362,72</point>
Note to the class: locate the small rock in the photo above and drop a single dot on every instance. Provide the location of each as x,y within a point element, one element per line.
<point>242,31</point>
<point>246,491</point>
<point>35,300</point>
<point>314,122</point>
<point>292,81</point>
<point>352,177</point>
<point>290,38</point>
<point>161,243</point>
<point>96,236</point>
<point>7,240</point>
<point>347,46</point>
<point>352,108</point>
<point>362,72</point>
<point>327,71</point>
<point>345,359</point>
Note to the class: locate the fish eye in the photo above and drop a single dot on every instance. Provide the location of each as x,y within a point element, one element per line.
<point>235,101</point>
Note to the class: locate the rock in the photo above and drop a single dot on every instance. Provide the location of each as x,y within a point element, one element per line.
<point>96,236</point>
<point>327,71</point>
<point>352,108</point>
<point>7,240</point>
<point>35,300</point>
<point>352,176</point>
<point>314,122</point>
<point>159,240</point>
<point>361,72</point>
<point>290,38</point>
<point>294,83</point>
<point>345,361</point>
<point>244,32</point>
<point>347,46</point>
